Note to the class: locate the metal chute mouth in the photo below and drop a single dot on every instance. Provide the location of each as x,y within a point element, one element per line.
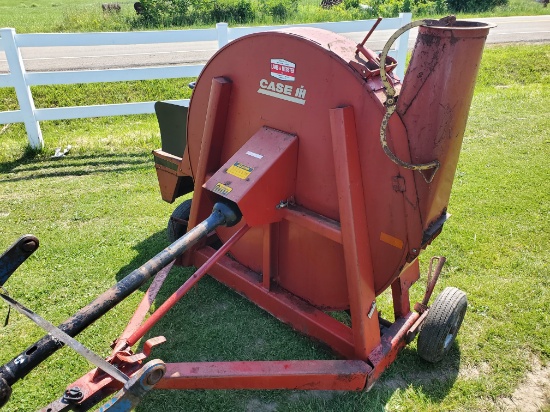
<point>458,25</point>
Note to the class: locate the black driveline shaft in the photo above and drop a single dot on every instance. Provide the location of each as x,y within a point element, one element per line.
<point>21,365</point>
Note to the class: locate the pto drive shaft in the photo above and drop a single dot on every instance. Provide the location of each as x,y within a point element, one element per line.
<point>222,215</point>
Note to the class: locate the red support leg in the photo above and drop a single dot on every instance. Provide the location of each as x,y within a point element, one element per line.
<point>400,289</point>
<point>355,233</point>
<point>211,147</point>
<point>172,300</point>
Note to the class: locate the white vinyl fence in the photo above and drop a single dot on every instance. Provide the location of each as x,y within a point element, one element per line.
<point>21,80</point>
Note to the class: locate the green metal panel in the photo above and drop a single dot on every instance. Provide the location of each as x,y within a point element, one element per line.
<point>172,120</point>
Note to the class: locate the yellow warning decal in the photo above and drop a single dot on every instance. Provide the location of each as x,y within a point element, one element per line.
<point>390,240</point>
<point>222,189</point>
<point>240,170</point>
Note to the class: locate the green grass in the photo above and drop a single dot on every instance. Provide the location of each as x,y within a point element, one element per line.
<point>37,16</point>
<point>28,16</point>
<point>98,215</point>
<point>514,8</point>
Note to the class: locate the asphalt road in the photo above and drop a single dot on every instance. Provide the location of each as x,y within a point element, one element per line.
<point>509,30</point>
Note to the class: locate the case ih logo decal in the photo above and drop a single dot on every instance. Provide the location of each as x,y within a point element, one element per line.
<point>283,69</point>
<point>283,91</point>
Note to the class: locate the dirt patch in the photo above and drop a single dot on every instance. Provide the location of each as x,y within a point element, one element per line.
<point>474,372</point>
<point>416,378</point>
<point>257,405</point>
<point>532,394</point>
<point>445,373</point>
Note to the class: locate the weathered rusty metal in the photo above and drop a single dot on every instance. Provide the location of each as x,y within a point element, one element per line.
<point>349,375</point>
<point>434,102</point>
<point>372,29</point>
<point>333,208</point>
<point>391,102</point>
<point>174,298</point>
<point>133,391</point>
<point>66,339</point>
<point>21,365</point>
<point>15,255</point>
<point>433,276</point>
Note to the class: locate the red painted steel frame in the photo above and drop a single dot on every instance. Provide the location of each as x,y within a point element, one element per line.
<point>372,352</point>
<point>142,309</point>
<point>172,300</point>
<point>281,304</point>
<point>354,227</point>
<point>369,347</point>
<point>209,160</point>
<point>346,375</point>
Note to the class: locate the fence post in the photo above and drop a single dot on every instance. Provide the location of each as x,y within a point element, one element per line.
<point>403,45</point>
<point>22,90</point>
<point>223,34</point>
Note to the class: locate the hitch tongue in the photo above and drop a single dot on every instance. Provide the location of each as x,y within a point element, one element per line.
<point>223,214</point>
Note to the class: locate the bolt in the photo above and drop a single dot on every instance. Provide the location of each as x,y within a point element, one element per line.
<point>155,376</point>
<point>29,246</point>
<point>73,394</point>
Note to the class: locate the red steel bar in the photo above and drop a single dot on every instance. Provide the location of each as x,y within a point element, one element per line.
<point>432,277</point>
<point>347,375</point>
<point>143,307</point>
<point>374,26</point>
<point>270,244</point>
<point>354,226</point>
<point>391,343</point>
<point>280,303</point>
<point>209,159</point>
<point>319,224</point>
<point>172,300</point>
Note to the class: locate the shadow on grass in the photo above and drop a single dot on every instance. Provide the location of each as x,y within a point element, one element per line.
<point>213,323</point>
<point>145,249</point>
<point>31,166</point>
<point>29,155</point>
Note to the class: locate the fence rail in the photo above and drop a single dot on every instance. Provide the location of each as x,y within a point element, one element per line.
<point>21,80</point>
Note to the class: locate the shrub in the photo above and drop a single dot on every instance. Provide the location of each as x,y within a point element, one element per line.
<point>427,7</point>
<point>157,12</point>
<point>279,10</point>
<point>474,5</point>
<point>388,8</point>
<point>181,12</point>
<point>351,4</point>
<point>240,11</point>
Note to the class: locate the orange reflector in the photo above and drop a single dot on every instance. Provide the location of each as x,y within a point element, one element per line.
<point>390,240</point>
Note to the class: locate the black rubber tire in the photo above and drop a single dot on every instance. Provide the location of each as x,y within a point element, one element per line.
<point>175,229</point>
<point>442,324</point>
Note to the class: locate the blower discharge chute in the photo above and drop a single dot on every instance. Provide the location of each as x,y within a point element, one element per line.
<point>318,179</point>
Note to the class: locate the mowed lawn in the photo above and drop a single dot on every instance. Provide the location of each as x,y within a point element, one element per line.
<point>98,215</point>
<point>38,16</point>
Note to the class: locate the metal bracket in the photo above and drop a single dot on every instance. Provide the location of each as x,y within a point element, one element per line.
<point>139,384</point>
